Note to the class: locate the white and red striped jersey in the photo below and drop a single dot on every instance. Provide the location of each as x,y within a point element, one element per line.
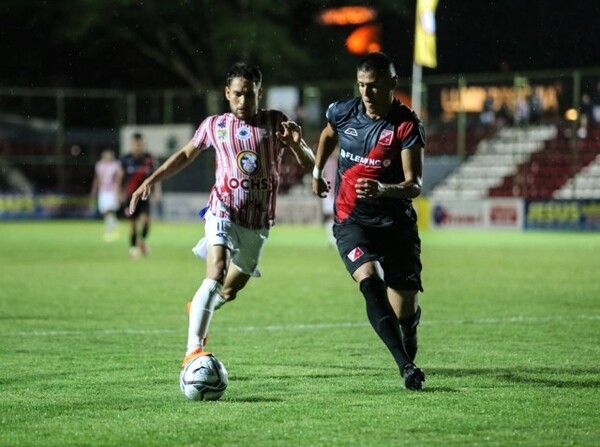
<point>248,160</point>
<point>107,175</point>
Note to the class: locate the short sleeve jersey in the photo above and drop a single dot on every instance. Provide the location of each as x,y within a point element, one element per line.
<point>107,171</point>
<point>372,149</point>
<point>248,161</point>
<point>136,170</point>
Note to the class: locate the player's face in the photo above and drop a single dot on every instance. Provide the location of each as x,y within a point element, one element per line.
<point>137,146</point>
<point>243,97</point>
<point>376,92</point>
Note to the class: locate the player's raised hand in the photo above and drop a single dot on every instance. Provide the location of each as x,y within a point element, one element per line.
<point>143,192</point>
<point>292,133</point>
<point>366,187</point>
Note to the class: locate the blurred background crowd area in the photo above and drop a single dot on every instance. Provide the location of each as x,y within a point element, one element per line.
<point>511,110</point>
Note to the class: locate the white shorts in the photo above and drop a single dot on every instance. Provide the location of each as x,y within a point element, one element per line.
<point>107,201</point>
<point>246,245</point>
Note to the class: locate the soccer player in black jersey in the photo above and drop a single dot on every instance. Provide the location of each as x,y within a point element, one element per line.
<point>379,172</point>
<point>137,166</point>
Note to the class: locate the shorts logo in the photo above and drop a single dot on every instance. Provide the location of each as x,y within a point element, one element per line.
<point>243,133</point>
<point>248,162</point>
<point>355,254</point>
<point>351,131</point>
<point>385,137</point>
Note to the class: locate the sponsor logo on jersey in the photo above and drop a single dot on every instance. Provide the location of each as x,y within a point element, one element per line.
<point>385,137</point>
<point>243,133</point>
<point>358,159</point>
<point>351,131</point>
<point>248,184</point>
<point>355,253</point>
<point>248,162</point>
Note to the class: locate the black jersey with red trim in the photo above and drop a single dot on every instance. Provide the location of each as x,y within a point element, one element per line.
<point>136,170</point>
<point>371,149</point>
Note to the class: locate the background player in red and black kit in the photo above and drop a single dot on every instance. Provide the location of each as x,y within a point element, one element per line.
<point>137,166</point>
<point>379,171</point>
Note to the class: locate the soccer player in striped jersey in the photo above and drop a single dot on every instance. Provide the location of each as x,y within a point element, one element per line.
<point>249,144</point>
<point>379,172</point>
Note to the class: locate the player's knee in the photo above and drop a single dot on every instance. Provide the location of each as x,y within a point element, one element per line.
<point>373,288</point>
<point>217,271</point>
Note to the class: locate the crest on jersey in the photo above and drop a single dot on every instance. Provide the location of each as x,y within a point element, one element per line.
<point>248,162</point>
<point>243,133</point>
<point>221,135</point>
<point>385,137</point>
<point>355,253</point>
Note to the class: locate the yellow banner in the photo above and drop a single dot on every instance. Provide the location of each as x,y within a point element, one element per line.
<point>425,51</point>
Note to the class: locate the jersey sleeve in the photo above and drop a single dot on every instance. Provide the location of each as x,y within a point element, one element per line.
<point>411,133</point>
<point>202,137</point>
<point>332,115</point>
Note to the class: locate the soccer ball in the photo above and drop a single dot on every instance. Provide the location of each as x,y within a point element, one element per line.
<point>203,378</point>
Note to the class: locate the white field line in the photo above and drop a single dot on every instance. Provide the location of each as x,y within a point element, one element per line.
<point>304,327</point>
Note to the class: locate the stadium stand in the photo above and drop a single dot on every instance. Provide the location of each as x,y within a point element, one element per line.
<point>585,184</point>
<point>549,170</point>
<point>495,158</point>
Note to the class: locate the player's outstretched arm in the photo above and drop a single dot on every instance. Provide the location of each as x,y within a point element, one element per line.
<point>292,137</point>
<point>175,163</point>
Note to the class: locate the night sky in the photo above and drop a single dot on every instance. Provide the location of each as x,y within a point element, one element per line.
<point>516,35</point>
<point>473,36</point>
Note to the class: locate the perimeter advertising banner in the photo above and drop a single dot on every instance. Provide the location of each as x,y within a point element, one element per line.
<point>492,214</point>
<point>577,215</point>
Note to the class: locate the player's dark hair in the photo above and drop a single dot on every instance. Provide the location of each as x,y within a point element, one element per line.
<point>378,63</point>
<point>138,136</point>
<point>242,70</point>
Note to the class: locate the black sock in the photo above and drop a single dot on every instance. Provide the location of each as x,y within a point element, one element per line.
<point>145,230</point>
<point>408,329</point>
<point>383,319</point>
<point>412,321</point>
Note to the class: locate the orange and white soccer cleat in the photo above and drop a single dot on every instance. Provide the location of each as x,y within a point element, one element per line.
<point>198,352</point>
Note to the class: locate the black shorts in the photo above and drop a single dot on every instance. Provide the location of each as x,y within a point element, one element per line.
<point>143,207</point>
<point>397,248</point>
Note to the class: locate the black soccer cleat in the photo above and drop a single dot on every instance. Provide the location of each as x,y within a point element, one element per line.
<point>413,377</point>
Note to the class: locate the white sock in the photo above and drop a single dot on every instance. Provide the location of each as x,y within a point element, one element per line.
<point>110,223</point>
<point>201,312</point>
<point>219,302</point>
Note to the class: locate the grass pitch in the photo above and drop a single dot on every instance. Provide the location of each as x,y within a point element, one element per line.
<point>91,344</point>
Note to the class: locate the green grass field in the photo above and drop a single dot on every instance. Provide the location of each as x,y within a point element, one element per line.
<point>91,343</point>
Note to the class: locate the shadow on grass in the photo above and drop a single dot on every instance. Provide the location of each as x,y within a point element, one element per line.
<point>538,376</point>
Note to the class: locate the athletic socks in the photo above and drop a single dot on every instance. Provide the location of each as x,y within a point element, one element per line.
<point>383,319</point>
<point>145,230</point>
<point>201,312</point>
<point>219,302</point>
<point>408,329</point>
